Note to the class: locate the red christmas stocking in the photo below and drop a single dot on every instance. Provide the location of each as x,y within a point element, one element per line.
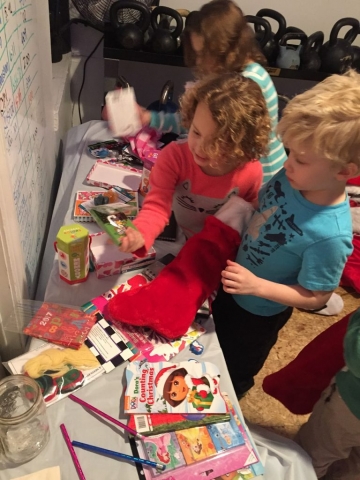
<point>169,303</point>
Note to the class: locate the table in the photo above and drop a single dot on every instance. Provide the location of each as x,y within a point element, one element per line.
<point>282,458</point>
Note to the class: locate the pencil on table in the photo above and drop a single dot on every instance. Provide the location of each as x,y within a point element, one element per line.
<point>72,452</point>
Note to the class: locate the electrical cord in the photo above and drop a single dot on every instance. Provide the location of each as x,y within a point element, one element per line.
<point>84,73</point>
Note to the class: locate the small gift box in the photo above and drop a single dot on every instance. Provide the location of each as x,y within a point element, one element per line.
<point>108,260</point>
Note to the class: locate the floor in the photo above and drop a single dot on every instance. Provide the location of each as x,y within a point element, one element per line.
<point>262,409</point>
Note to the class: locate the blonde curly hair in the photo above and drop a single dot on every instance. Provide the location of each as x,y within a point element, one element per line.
<point>229,41</point>
<point>239,110</point>
<point>328,117</point>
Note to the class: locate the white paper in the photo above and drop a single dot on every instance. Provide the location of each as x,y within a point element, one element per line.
<point>123,112</point>
<point>52,473</point>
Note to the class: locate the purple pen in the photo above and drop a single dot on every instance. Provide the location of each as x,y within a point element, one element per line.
<point>105,415</point>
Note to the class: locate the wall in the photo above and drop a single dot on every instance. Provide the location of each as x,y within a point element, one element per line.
<point>308,15</point>
<point>27,157</point>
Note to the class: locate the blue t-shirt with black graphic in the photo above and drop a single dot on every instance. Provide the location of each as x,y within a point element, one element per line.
<point>294,242</point>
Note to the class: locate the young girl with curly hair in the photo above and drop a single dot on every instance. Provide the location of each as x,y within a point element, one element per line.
<point>228,126</point>
<point>218,39</point>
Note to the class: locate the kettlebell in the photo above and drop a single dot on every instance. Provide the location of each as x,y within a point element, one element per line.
<point>165,40</point>
<point>356,53</point>
<point>271,49</point>
<point>337,54</point>
<point>266,29</point>
<point>289,55</point>
<point>130,35</point>
<point>293,30</point>
<point>165,103</point>
<point>309,57</point>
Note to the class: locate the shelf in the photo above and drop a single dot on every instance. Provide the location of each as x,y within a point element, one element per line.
<point>112,51</point>
<point>297,74</point>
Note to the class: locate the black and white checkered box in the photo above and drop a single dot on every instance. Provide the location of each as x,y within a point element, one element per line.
<point>108,344</point>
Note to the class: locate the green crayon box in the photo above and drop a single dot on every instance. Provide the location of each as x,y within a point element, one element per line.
<point>72,245</point>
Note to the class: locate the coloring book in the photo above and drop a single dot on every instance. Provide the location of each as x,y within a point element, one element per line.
<point>223,449</point>
<point>148,424</point>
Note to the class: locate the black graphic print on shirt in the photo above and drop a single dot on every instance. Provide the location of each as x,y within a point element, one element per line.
<point>271,227</point>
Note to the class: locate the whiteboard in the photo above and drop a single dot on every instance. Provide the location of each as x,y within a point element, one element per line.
<point>23,104</point>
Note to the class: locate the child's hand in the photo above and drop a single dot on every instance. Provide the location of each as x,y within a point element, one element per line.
<point>238,280</point>
<point>145,116</point>
<point>132,241</point>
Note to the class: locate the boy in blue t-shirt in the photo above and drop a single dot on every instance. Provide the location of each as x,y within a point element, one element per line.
<point>296,245</point>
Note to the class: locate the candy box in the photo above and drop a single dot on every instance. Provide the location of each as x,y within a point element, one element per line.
<point>72,246</point>
<point>108,260</point>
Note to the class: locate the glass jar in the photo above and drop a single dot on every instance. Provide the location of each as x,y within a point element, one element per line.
<point>24,428</point>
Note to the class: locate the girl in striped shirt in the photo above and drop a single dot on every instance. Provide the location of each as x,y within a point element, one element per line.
<point>218,39</point>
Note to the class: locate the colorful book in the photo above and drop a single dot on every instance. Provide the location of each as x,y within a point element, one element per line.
<point>164,387</point>
<point>148,424</point>
<point>114,219</point>
<point>61,325</point>
<point>79,213</point>
<point>215,450</point>
<point>113,195</point>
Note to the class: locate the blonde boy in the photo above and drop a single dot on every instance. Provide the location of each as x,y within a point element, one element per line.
<point>296,245</point>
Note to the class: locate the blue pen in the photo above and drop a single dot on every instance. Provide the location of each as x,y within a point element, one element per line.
<point>104,451</point>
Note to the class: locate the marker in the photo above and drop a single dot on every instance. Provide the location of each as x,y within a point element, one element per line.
<point>104,451</point>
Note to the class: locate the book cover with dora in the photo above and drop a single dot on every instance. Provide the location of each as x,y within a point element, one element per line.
<point>164,387</point>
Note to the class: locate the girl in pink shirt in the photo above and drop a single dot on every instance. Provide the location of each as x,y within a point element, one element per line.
<point>229,128</point>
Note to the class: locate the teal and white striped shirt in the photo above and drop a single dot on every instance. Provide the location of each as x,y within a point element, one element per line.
<point>276,157</point>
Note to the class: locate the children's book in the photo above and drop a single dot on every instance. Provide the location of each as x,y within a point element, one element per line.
<point>113,195</point>
<point>114,219</point>
<point>79,213</point>
<point>164,449</point>
<point>164,387</point>
<point>211,451</point>
<point>61,325</point>
<point>148,424</point>
<point>193,456</point>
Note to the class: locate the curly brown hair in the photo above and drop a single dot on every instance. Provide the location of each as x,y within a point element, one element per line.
<point>239,110</point>
<point>229,41</point>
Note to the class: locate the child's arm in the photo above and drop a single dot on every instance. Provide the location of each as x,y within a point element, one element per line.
<point>239,280</point>
<point>166,122</point>
<point>156,210</point>
<point>352,344</point>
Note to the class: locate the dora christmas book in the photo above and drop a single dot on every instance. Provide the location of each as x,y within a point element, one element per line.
<point>164,387</point>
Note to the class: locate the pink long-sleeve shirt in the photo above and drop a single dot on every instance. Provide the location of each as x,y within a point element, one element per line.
<point>178,184</point>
